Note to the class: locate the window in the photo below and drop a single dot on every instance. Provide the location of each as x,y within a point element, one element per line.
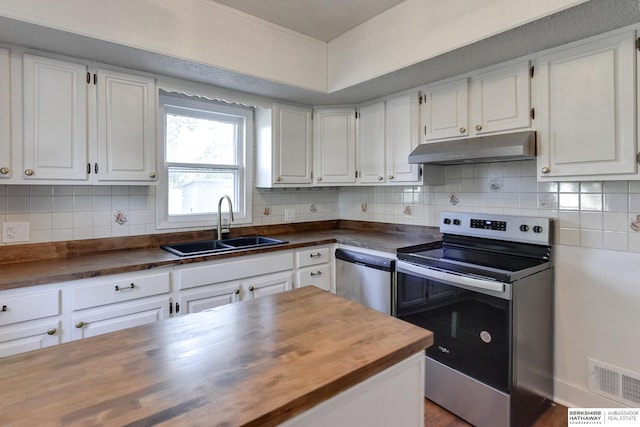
<point>206,147</point>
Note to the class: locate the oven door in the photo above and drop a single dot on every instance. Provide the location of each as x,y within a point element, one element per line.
<point>471,324</point>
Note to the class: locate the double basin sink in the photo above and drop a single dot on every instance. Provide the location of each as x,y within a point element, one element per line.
<point>207,247</point>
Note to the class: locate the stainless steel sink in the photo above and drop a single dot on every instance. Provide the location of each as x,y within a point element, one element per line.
<point>207,247</point>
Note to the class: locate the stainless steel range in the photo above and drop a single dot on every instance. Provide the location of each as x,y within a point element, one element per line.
<point>486,292</point>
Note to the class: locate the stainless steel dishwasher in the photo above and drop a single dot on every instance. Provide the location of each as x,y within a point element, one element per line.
<point>366,279</point>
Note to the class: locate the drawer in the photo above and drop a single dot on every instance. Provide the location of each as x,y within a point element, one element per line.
<point>119,288</point>
<point>319,276</point>
<point>314,256</point>
<point>23,307</point>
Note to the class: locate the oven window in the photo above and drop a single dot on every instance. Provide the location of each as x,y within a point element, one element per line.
<point>471,330</point>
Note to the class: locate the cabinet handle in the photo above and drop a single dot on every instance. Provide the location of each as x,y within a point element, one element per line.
<point>463,130</point>
<point>95,167</point>
<point>251,289</point>
<point>80,324</point>
<point>478,127</point>
<point>237,291</point>
<point>4,171</point>
<point>316,274</point>
<point>152,175</point>
<point>279,179</point>
<point>28,172</point>
<point>545,170</point>
<point>316,255</point>
<point>4,308</point>
<point>131,286</point>
<point>380,178</point>
<point>51,331</point>
<point>391,177</point>
<point>319,178</point>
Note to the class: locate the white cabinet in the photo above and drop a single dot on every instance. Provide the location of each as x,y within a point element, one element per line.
<point>118,302</point>
<point>211,284</point>
<point>334,146</point>
<point>586,114</point>
<point>314,268</point>
<point>63,141</point>
<point>402,136</point>
<point>29,319</point>
<point>492,100</point>
<point>284,146</point>
<point>371,143</point>
<point>6,169</point>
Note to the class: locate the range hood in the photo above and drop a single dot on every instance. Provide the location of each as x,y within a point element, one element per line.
<point>483,149</point>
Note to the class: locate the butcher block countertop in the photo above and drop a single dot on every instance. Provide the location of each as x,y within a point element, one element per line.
<point>253,363</point>
<point>66,261</point>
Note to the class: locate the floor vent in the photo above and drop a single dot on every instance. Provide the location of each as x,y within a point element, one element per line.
<point>614,383</point>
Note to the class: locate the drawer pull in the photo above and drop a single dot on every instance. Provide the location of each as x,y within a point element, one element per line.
<point>316,255</point>
<point>131,286</point>
<point>51,331</point>
<point>316,274</point>
<point>4,308</point>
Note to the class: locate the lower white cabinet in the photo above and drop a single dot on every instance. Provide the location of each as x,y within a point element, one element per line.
<point>314,268</point>
<point>268,285</point>
<point>30,319</point>
<point>208,297</point>
<point>118,302</point>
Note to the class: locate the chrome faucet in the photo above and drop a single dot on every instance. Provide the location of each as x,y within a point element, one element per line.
<point>220,229</point>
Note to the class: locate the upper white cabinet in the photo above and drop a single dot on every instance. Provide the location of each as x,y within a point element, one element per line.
<point>402,136</point>
<point>6,169</point>
<point>126,127</point>
<point>371,143</point>
<point>587,109</point>
<point>62,140</point>
<point>495,99</point>
<point>334,146</point>
<point>284,146</point>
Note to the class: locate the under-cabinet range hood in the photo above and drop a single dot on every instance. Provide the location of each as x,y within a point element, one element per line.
<point>493,148</point>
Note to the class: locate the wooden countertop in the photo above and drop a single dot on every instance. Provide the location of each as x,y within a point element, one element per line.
<point>253,363</point>
<point>29,273</point>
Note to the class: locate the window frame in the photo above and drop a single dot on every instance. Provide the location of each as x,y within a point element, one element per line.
<point>204,108</point>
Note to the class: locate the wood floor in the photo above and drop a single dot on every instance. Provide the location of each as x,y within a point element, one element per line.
<point>435,416</point>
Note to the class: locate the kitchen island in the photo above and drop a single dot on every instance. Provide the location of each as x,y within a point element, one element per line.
<point>302,357</point>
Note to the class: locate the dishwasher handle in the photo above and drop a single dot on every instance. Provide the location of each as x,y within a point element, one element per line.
<point>367,260</point>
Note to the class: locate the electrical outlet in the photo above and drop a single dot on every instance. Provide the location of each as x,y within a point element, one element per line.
<point>289,215</point>
<point>15,232</point>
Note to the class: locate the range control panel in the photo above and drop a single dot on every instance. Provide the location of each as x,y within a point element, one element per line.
<point>503,227</point>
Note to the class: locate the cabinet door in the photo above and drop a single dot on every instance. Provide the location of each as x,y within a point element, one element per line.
<point>206,297</point>
<point>126,127</point>
<point>335,146</point>
<point>29,336</point>
<point>501,99</point>
<point>92,322</point>
<point>267,285</point>
<point>402,129</point>
<point>55,119</point>
<point>292,144</point>
<point>5,115</point>
<point>587,108</point>
<point>371,144</point>
<point>446,110</point>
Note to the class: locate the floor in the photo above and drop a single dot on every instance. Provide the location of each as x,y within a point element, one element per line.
<point>435,416</point>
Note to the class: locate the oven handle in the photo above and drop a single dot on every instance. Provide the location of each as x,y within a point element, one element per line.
<point>433,274</point>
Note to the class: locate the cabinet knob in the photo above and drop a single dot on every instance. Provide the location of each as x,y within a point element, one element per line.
<point>51,331</point>
<point>391,177</point>
<point>380,178</point>
<point>251,289</point>
<point>463,130</point>
<point>478,127</point>
<point>279,179</point>
<point>4,171</point>
<point>319,178</point>
<point>80,324</point>
<point>237,292</point>
<point>545,170</point>
<point>28,172</point>
<point>152,175</point>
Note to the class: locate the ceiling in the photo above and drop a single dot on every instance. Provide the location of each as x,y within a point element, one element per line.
<point>321,19</point>
<point>587,19</point>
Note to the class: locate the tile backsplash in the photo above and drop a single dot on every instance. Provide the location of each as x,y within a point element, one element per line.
<point>590,214</point>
